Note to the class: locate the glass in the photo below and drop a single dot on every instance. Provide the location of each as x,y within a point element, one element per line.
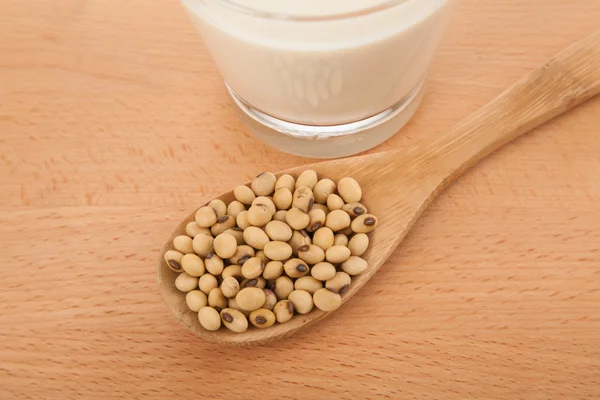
<point>315,82</point>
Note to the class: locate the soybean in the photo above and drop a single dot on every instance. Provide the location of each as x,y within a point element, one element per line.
<point>183,244</point>
<point>316,219</point>
<point>354,209</point>
<point>282,198</point>
<point>216,299</point>
<point>282,287</point>
<point>262,318</point>
<point>195,300</point>
<point>299,239</point>
<point>225,245</point>
<point>186,283</point>
<point>242,254</point>
<point>323,271</point>
<point>193,265</point>
<point>202,244</point>
<point>250,298</point>
<point>219,207</point>
<point>334,202</point>
<point>234,271</point>
<point>284,311</point>
<point>244,194</point>
<point>209,318</point>
<point>326,300</point>
<point>354,265</point>
<point>349,190</point>
<point>259,215</point>
<point>277,230</point>
<point>285,181</point>
<point>358,244</point>
<point>323,189</point>
<point>231,303</point>
<point>307,178</point>
<point>278,250</point>
<point>270,299</point>
<point>303,199</point>
<point>273,270</point>
<point>297,219</point>
<point>311,253</point>
<point>280,215</point>
<point>340,239</point>
<point>173,259</point>
<point>192,229</point>
<point>337,220</point>
<point>302,301</point>
<point>364,224</point>
<point>337,254</point>
<point>206,216</point>
<point>323,238</point>
<point>308,283</point>
<point>295,268</point>
<point>267,202</point>
<point>230,287</point>
<point>234,320</point>
<point>207,282</point>
<point>242,219</point>
<point>340,283</point>
<point>237,233</point>
<point>222,224</point>
<point>256,237</point>
<point>252,268</point>
<point>234,208</point>
<point>214,264</point>
<point>264,184</point>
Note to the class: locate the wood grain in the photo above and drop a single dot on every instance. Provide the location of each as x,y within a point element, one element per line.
<point>115,123</point>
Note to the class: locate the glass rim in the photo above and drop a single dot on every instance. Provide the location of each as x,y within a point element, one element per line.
<point>249,10</point>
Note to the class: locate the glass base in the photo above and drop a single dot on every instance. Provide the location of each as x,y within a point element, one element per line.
<point>330,141</point>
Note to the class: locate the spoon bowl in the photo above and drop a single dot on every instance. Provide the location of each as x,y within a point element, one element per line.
<point>399,185</point>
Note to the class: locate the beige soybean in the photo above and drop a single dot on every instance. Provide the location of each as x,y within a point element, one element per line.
<point>234,320</point>
<point>252,268</point>
<point>256,237</point>
<point>273,270</point>
<point>323,238</point>
<point>233,304</point>
<point>230,287</point>
<point>364,223</point>
<point>297,219</point>
<point>214,264</point>
<point>217,299</point>
<point>334,202</point>
<point>206,216</point>
<point>346,231</point>
<point>270,299</point>
<point>225,245</point>
<point>209,318</point>
<point>192,229</point>
<point>237,233</point>
<point>337,220</point>
<point>354,265</point>
<point>316,220</point>
<point>303,199</point>
<point>284,311</point>
<point>242,219</point>
<point>323,271</point>
<point>340,283</point>
<point>261,254</point>
<point>267,202</point>
<point>307,178</point>
<point>280,215</point>
<point>195,300</point>
<point>242,253</point>
<point>295,268</point>
<point>308,283</point>
<point>202,244</point>
<point>277,230</point>
<point>183,244</point>
<point>173,259</point>
<point>322,207</point>
<point>326,300</point>
<point>222,224</point>
<point>278,250</point>
<point>311,253</point>
<point>234,271</point>
<point>282,287</point>
<point>299,239</point>
<point>354,209</point>
<point>250,298</point>
<point>259,282</point>
<point>302,301</point>
<point>234,208</point>
<point>286,181</point>
<point>193,265</point>
<point>323,189</point>
<point>358,244</point>
<point>264,184</point>
<point>185,282</point>
<point>282,198</point>
<point>259,215</point>
<point>207,282</point>
<point>337,254</point>
<point>340,239</point>
<point>244,194</point>
<point>219,206</point>
<point>349,190</point>
<point>262,318</point>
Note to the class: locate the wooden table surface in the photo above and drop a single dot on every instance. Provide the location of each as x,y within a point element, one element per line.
<point>114,124</point>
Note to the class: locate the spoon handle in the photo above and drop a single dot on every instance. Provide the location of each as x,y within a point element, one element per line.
<point>568,79</point>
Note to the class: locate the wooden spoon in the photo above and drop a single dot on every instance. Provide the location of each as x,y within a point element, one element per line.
<point>399,185</point>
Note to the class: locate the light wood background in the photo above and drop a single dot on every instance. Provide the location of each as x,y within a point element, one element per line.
<point>114,124</point>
